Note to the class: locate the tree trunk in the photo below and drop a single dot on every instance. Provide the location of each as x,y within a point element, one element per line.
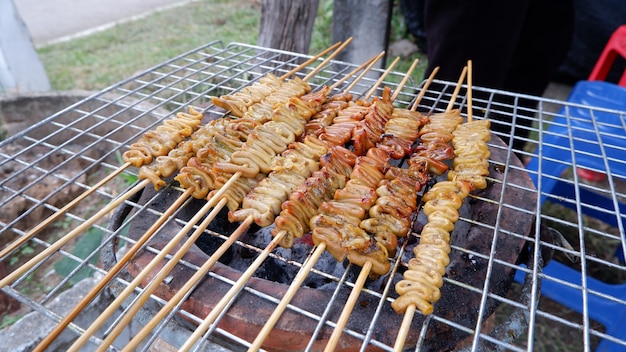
<point>287,24</point>
<point>367,22</point>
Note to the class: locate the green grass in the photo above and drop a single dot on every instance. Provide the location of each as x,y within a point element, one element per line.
<point>101,59</point>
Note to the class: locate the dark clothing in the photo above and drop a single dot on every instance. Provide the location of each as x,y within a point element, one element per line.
<point>514,45</point>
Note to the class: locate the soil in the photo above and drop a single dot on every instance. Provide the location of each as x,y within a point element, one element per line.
<point>22,211</point>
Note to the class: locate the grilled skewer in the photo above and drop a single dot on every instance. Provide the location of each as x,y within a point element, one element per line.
<point>241,282</point>
<point>420,287</point>
<point>113,205</point>
<point>164,271</point>
<point>302,274</point>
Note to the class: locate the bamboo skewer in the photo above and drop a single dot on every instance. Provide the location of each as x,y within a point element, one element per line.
<point>71,235</point>
<point>347,310</point>
<point>178,238</point>
<point>52,218</point>
<point>422,92</point>
<point>188,286</point>
<point>163,273</point>
<point>119,265</point>
<point>470,109</point>
<point>291,292</point>
<point>457,89</point>
<point>405,326</point>
<point>404,79</point>
<point>223,303</point>
<point>311,60</point>
<point>327,60</point>
<point>381,79</point>
<point>368,65</point>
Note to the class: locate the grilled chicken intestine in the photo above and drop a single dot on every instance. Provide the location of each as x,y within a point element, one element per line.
<point>239,102</point>
<point>337,221</point>
<point>289,170</point>
<point>424,277</point>
<point>471,163</point>
<point>163,139</point>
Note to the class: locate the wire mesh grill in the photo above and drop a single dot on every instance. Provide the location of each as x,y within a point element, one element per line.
<point>56,159</point>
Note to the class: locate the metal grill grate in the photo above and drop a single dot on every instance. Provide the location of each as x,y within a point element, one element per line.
<point>53,161</point>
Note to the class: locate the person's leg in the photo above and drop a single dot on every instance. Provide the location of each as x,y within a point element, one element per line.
<point>541,49</point>
<point>485,31</point>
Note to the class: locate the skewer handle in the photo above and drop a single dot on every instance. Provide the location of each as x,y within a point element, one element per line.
<point>223,303</point>
<point>112,307</point>
<point>404,79</point>
<point>54,217</point>
<point>368,64</point>
<point>71,235</point>
<point>470,109</point>
<point>291,292</point>
<point>347,310</point>
<point>327,60</point>
<point>188,286</point>
<point>110,274</point>
<point>381,78</point>
<point>420,96</point>
<point>403,332</point>
<point>309,61</point>
<point>156,281</point>
<point>457,89</point>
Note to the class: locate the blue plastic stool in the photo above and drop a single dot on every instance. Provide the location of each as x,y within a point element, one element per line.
<point>585,126</point>
<point>609,313</point>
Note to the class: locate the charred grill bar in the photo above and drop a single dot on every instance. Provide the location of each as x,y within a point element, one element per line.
<point>80,144</point>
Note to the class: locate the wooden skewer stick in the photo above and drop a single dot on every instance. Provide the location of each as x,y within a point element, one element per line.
<point>291,292</point>
<point>111,273</point>
<point>327,60</point>
<point>71,235</point>
<point>470,110</point>
<point>403,332</point>
<point>309,61</point>
<point>456,90</point>
<point>163,273</point>
<point>381,79</point>
<point>347,310</point>
<point>367,65</point>
<point>54,217</point>
<point>420,96</point>
<point>189,285</point>
<point>223,303</point>
<point>170,246</point>
<point>112,308</point>
<point>404,79</point>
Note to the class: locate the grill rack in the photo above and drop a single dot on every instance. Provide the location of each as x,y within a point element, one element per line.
<point>87,136</point>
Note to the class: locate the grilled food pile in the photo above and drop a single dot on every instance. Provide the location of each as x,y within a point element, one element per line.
<point>311,162</point>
